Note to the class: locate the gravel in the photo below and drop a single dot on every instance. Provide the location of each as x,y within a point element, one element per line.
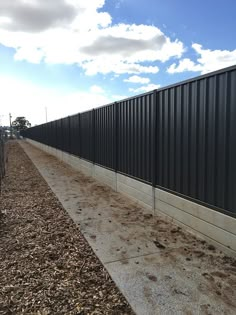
<point>46,265</point>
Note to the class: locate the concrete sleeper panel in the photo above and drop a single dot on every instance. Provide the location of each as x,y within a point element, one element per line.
<point>221,236</point>
<point>213,217</point>
<point>137,194</point>
<point>145,188</point>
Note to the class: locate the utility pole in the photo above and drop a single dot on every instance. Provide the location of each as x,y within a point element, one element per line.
<point>10,116</point>
<point>46,114</point>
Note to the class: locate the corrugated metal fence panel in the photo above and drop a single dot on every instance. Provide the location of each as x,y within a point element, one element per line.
<point>54,134</point>
<point>75,134</point>
<point>44,134</point>
<point>135,147</point>
<point>59,134</point>
<point>105,129</point>
<point>49,133</point>
<point>196,139</point>
<point>86,136</point>
<point>181,138</point>
<point>65,125</point>
<point>231,134</point>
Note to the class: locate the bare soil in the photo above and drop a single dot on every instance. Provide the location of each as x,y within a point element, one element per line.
<point>46,265</point>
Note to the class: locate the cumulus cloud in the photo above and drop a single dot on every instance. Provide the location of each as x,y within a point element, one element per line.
<point>137,79</point>
<point>125,47</point>
<point>209,60</point>
<point>184,65</point>
<point>35,15</point>
<point>145,88</point>
<point>132,43</point>
<point>81,32</point>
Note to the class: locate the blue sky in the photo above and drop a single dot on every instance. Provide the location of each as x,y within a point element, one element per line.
<point>72,55</point>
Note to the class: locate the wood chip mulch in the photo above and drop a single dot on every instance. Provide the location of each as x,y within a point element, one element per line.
<point>46,265</point>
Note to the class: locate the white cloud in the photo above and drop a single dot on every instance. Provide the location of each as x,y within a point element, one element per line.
<point>110,65</point>
<point>96,89</point>
<point>30,101</point>
<point>131,43</point>
<point>209,60</point>
<point>184,65</point>
<point>40,15</point>
<point>81,32</point>
<point>145,88</point>
<point>137,79</point>
<point>35,15</point>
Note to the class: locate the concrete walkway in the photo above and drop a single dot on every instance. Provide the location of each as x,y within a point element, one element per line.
<point>159,268</point>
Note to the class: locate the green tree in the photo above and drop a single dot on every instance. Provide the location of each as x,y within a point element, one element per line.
<point>21,123</point>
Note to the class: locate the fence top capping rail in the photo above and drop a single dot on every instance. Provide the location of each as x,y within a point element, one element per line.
<point>200,77</point>
<point>197,78</point>
<point>194,79</point>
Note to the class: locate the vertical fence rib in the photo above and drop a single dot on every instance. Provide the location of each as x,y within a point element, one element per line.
<point>154,138</point>
<point>115,150</point>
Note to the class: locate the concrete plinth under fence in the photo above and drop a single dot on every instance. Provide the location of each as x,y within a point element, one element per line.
<point>214,226</point>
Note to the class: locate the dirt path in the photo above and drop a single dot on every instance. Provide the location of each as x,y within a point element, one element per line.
<point>46,265</point>
<point>159,267</point>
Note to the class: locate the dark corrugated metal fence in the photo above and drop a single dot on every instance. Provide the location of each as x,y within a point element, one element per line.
<point>135,133</point>
<point>181,138</point>
<point>2,156</point>
<point>105,136</point>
